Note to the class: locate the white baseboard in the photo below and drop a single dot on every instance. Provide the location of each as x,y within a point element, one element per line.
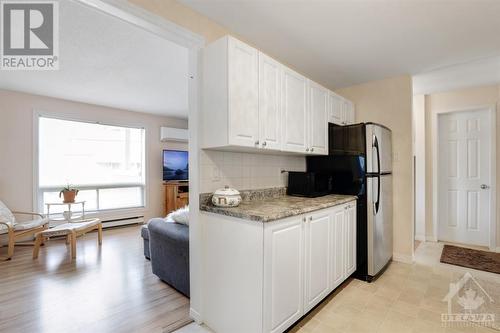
<point>404,258</point>
<point>195,315</point>
<point>420,237</point>
<point>431,239</point>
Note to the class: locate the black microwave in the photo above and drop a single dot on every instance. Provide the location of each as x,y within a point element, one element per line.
<point>309,184</point>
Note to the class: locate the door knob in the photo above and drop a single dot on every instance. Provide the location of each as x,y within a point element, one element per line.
<point>484,187</point>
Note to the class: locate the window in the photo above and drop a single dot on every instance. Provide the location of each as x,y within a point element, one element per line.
<point>106,163</point>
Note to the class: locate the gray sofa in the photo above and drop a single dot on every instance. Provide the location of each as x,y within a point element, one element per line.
<point>167,245</point>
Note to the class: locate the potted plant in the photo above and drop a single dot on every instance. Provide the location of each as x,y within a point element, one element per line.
<point>69,193</point>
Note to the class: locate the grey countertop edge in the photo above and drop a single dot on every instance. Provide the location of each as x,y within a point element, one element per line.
<point>286,214</point>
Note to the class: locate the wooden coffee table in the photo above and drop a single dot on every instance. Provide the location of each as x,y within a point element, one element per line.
<point>71,230</point>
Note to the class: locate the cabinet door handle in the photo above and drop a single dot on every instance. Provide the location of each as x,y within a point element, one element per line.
<point>264,143</point>
<point>256,142</point>
<point>312,149</point>
<point>303,219</point>
<point>307,149</point>
<point>310,218</point>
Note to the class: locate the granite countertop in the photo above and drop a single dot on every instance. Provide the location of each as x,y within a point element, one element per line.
<point>272,204</point>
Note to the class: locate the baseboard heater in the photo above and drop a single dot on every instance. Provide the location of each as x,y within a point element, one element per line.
<point>123,221</point>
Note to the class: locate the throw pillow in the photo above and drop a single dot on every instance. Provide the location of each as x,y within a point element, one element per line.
<point>180,216</point>
<point>6,216</point>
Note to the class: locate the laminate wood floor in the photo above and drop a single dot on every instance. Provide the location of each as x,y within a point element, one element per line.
<point>107,289</point>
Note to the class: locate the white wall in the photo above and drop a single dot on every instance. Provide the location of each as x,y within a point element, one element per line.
<point>17,143</point>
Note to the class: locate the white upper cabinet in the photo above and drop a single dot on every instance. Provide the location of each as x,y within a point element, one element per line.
<point>336,108</point>
<point>294,112</point>
<point>243,94</point>
<point>318,119</point>
<point>341,110</point>
<point>251,102</point>
<point>269,103</point>
<point>348,112</point>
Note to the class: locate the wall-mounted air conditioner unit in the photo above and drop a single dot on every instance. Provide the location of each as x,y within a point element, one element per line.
<point>173,134</point>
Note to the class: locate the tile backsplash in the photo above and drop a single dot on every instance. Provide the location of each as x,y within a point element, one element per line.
<point>245,171</point>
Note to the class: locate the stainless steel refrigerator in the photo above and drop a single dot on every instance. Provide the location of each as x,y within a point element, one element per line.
<point>360,162</point>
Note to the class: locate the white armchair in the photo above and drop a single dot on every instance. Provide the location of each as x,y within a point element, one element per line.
<point>16,229</point>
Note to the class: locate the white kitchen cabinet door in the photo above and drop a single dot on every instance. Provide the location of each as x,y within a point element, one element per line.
<point>269,103</point>
<point>318,119</point>
<point>337,246</point>
<point>317,258</point>
<point>294,113</point>
<point>283,274</point>
<point>243,96</point>
<point>336,107</point>
<point>350,236</point>
<point>348,116</point>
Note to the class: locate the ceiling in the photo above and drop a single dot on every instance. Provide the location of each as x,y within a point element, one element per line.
<point>109,62</point>
<point>472,74</point>
<point>344,42</point>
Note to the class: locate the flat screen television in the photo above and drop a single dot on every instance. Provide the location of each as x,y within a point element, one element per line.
<point>175,165</point>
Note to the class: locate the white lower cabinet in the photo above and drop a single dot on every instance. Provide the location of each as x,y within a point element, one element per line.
<point>263,277</point>
<point>328,254</point>
<point>317,258</point>
<point>283,267</point>
<point>350,237</point>
<point>337,248</point>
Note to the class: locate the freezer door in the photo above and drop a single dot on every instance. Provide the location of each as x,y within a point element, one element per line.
<point>378,149</point>
<point>379,216</point>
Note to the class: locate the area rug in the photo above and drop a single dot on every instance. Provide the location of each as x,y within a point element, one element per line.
<point>476,259</point>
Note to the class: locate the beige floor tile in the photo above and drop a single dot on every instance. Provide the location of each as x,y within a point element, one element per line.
<point>389,326</point>
<point>406,298</point>
<point>323,328</point>
<point>406,308</point>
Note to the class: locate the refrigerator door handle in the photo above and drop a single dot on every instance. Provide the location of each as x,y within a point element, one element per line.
<point>375,145</point>
<point>377,202</point>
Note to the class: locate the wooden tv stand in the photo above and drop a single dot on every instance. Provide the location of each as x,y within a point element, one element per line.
<point>177,195</point>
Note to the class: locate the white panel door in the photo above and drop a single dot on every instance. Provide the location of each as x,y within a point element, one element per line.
<point>317,258</point>
<point>283,273</point>
<point>464,177</point>
<point>294,111</point>
<point>350,237</point>
<point>336,108</point>
<point>269,102</point>
<point>318,119</point>
<point>243,96</point>
<point>337,262</point>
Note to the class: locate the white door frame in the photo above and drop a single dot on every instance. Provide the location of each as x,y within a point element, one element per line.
<point>435,171</point>
<point>194,43</point>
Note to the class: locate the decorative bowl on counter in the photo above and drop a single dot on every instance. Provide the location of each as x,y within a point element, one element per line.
<point>226,197</point>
